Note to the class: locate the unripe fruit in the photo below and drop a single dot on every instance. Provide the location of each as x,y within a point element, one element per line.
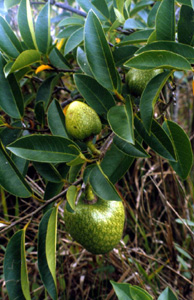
<point>82,121</point>
<point>97,227</point>
<point>138,79</point>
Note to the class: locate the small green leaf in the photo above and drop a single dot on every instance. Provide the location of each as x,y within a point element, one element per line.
<point>186,25</point>
<point>99,98</point>
<point>47,250</point>
<point>42,29</point>
<point>71,196</point>
<point>152,15</point>
<point>48,171</point>
<point>25,23</point>
<point>25,59</point>
<point>102,186</point>
<point>83,62</point>
<point>165,21</point>
<point>135,150</point>
<point>167,294</point>
<point>74,40</point>
<point>121,290</point>
<point>133,24</point>
<point>156,59</point>
<point>138,293</point>
<point>9,3</point>
<point>121,54</point>
<point>139,6</point>
<point>182,147</point>
<point>45,148</point>
<point>58,60</point>
<point>98,53</point>
<point>71,21</point>
<point>56,119</point>
<point>136,37</point>
<point>15,268</point>
<point>100,9</point>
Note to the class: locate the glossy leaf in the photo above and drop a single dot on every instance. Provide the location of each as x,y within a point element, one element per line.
<point>102,7</point>
<point>99,98</point>
<point>71,21</point>
<point>42,29</point>
<point>9,43</point>
<point>98,53</point>
<point>71,196</point>
<point>87,5</point>
<point>69,30</point>
<point>186,25</point>
<point>167,294</point>
<point>178,48</point>
<point>9,135</point>
<point>122,162</point>
<point>155,59</point>
<point>48,171</point>
<point>25,59</point>
<point>74,40</point>
<point>139,6</point>
<point>150,96</point>
<point>9,3</point>
<point>120,119</point>
<point>11,99</point>
<point>45,148</point>
<point>25,23</point>
<point>47,250</point>
<point>121,290</point>
<point>182,148</point>
<point>83,62</point>
<point>158,140</point>
<point>15,268</point>
<point>137,37</point>
<point>138,293</point>
<point>56,119</point>
<point>152,15</point>
<point>58,60</point>
<point>123,53</point>
<point>102,186</point>
<point>133,24</point>
<point>165,21</point>
<point>135,150</point>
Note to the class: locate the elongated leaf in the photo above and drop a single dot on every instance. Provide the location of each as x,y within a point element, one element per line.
<point>182,147</point>
<point>87,5</point>
<point>186,25</point>
<point>137,37</point>
<point>155,59</point>
<point>122,163</point>
<point>9,3</point>
<point>120,119</point>
<point>45,148</point>
<point>58,60</point>
<point>121,290</point>
<point>71,196</point>
<point>158,140</point>
<point>9,135</point>
<point>178,48</point>
<point>99,98</point>
<point>139,6</point>
<point>56,119</point>
<point>25,59</point>
<point>83,62</point>
<point>47,250</point>
<point>102,7</point>
<point>71,21</point>
<point>69,30</point>
<point>138,293</point>
<point>133,24</point>
<point>152,15</point>
<point>11,99</point>
<point>102,186</point>
<point>48,172</point>
<point>15,268</point>
<point>150,96</point>
<point>25,23</point>
<point>135,150</point>
<point>123,53</point>
<point>8,41</point>
<point>165,21</point>
<point>167,294</point>
<point>42,29</point>
<point>98,53</point>
<point>10,177</point>
<point>74,40</point>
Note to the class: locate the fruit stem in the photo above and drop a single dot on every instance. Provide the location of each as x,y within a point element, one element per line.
<point>93,148</point>
<point>89,193</point>
<point>119,96</point>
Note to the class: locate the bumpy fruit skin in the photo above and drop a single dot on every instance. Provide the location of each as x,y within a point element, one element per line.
<point>82,121</point>
<point>138,79</point>
<point>97,227</point>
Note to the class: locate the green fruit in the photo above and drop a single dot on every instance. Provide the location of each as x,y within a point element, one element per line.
<point>138,79</point>
<point>82,121</point>
<point>97,227</point>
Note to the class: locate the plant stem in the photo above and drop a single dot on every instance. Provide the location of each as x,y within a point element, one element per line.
<point>93,148</point>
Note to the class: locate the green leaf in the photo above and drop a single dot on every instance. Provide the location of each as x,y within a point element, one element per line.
<point>11,99</point>
<point>135,150</point>
<point>150,96</point>
<point>71,21</point>
<point>9,135</point>
<point>74,40</point>
<point>158,140</point>
<point>133,24</point>
<point>102,186</point>
<point>178,48</point>
<point>10,177</point>
<point>185,2</point>
<point>136,37</point>
<point>182,147</point>
<point>25,23</point>
<point>138,293</point>
<point>121,290</point>
<point>186,25</point>
<point>120,119</point>
<point>58,60</point>
<point>83,62</point>
<point>9,43</point>
<point>102,7</point>
<point>71,196</point>
<point>45,148</point>
<point>47,250</point>
<point>167,294</point>
<point>122,162</point>
<point>139,6</point>
<point>42,29</point>
<point>15,268</point>
<point>9,3</point>
<point>56,119</point>
<point>96,96</point>
<point>152,15</point>
<point>98,53</point>
<point>48,171</point>
<point>102,13</point>
<point>65,33</point>
<point>123,53</point>
<point>156,59</point>
<point>165,21</point>
<point>25,59</point>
